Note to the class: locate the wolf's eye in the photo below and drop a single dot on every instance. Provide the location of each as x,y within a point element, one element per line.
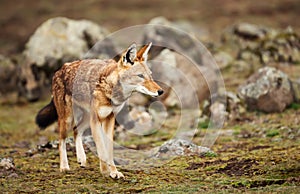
<point>140,75</point>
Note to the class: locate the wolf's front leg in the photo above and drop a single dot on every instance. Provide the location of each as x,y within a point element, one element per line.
<point>102,131</point>
<point>109,124</point>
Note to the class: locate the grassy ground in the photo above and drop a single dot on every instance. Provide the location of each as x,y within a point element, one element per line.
<point>259,154</point>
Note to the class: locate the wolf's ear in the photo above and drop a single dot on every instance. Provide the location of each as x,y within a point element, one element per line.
<point>142,54</point>
<point>129,55</point>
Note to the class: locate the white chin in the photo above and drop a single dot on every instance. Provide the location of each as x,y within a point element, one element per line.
<point>144,90</point>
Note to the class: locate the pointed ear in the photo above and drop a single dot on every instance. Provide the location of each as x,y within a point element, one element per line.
<point>142,54</point>
<point>129,55</point>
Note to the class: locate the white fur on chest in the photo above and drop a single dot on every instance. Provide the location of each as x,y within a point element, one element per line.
<point>105,111</point>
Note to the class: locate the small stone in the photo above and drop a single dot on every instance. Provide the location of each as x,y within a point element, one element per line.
<point>7,163</point>
<point>223,59</point>
<point>180,147</point>
<point>218,114</point>
<point>249,31</point>
<point>13,175</point>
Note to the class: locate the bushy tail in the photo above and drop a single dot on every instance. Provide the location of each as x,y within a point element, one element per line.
<point>46,116</point>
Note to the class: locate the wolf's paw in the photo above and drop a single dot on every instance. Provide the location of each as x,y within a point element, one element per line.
<point>64,169</point>
<point>116,175</point>
<point>82,164</point>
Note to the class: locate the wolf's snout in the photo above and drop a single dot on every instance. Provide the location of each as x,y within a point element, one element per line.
<point>160,92</point>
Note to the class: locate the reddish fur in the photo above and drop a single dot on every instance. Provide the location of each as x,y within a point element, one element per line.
<point>96,82</point>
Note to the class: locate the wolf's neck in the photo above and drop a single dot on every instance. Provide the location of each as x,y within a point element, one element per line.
<point>119,94</point>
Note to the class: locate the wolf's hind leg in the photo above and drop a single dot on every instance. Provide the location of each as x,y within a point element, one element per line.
<point>65,123</point>
<point>78,132</point>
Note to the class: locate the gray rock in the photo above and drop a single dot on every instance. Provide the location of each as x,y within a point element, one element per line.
<point>178,74</point>
<point>179,147</point>
<point>223,59</point>
<point>62,39</point>
<point>244,36</point>
<point>241,67</point>
<point>296,89</point>
<point>56,41</point>
<point>250,31</point>
<point>166,34</point>
<point>259,44</point>
<point>7,163</point>
<point>267,90</point>
<point>218,114</point>
<point>104,49</point>
<point>8,79</point>
<point>235,106</point>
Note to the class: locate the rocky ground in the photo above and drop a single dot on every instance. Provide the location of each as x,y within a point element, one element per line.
<point>258,147</point>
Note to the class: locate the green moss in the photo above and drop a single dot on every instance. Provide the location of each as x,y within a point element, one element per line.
<point>295,106</point>
<point>272,133</point>
<point>203,125</point>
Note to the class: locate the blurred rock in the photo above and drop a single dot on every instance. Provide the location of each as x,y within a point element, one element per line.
<point>235,106</point>
<point>281,47</point>
<point>244,36</point>
<point>7,163</point>
<point>143,122</point>
<point>138,99</point>
<point>218,114</point>
<point>104,49</point>
<point>296,89</point>
<point>8,79</point>
<point>165,34</point>
<point>267,90</point>
<point>259,44</point>
<point>223,59</point>
<point>56,41</point>
<point>185,84</point>
<point>242,67</point>
<point>62,39</point>
<point>249,31</point>
<point>179,147</point>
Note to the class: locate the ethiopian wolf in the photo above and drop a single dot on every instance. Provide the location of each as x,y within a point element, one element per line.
<point>99,89</point>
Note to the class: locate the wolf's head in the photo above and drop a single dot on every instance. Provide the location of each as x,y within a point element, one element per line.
<point>135,74</point>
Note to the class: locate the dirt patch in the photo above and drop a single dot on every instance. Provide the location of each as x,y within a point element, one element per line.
<point>231,167</point>
<point>235,167</point>
<point>259,183</point>
<point>259,147</point>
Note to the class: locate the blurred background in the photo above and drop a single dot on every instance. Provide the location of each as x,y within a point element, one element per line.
<point>19,19</point>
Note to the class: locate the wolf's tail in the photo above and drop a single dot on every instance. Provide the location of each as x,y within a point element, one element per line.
<point>46,116</point>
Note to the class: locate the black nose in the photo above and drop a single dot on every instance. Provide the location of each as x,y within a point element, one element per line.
<point>160,92</point>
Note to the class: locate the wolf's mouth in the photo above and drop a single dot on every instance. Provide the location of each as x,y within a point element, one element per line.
<point>144,90</point>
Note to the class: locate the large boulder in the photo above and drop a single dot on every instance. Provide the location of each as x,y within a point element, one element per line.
<point>56,41</point>
<point>62,39</point>
<point>267,90</point>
